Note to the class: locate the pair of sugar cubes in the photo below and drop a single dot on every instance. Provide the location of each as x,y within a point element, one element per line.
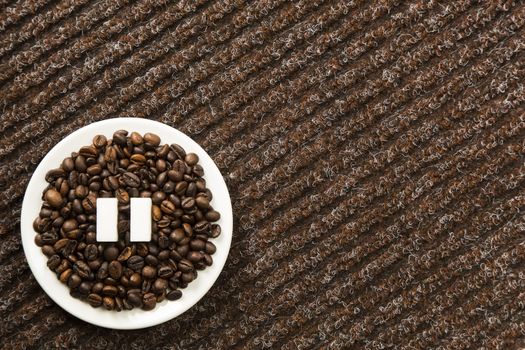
<point>139,225</point>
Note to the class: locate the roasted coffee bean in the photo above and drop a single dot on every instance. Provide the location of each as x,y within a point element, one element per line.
<point>88,151</point>
<point>97,288</point>
<point>69,225</point>
<point>194,256</point>
<point>102,272</point>
<point>152,139</point>
<point>138,159</point>
<point>185,248</point>
<point>181,188</point>
<point>149,300</point>
<point>115,269</point>
<point>163,242</point>
<point>135,262</point>
<point>164,254</point>
<point>81,191</point>
<point>156,213</point>
<point>210,248</point>
<point>48,250</point>
<point>94,169</point>
<point>197,244</point>
<point>85,287</point>
<point>135,299</point>
<point>68,164</point>
<point>125,254</point>
<point>215,231</point>
<point>111,253</point>
<point>151,260</point>
<point>119,138</point>
<point>177,235</point>
<point>91,252</point>
<point>109,303</point>
<point>63,266</point>
<point>135,279</point>
<point>109,290</point>
<point>185,265</point>
<point>130,179</point>
<point>99,141</point>
<point>64,276</point>
<point>165,272</point>
<point>142,249</point>
<point>198,170</point>
<point>53,262</point>
<point>94,300</point>
<point>167,207</point>
<point>149,272</point>
<point>213,216</point>
<point>188,230</point>
<point>74,281</point>
<point>54,198</point>
<point>191,159</point>
<point>159,286</point>
<point>119,306</point>
<point>136,138</point>
<point>188,203</point>
<point>158,197</point>
<point>202,227</point>
<point>82,269</point>
<point>175,175</point>
<point>202,202</point>
<point>207,259</point>
<point>187,277</point>
<point>174,295</point>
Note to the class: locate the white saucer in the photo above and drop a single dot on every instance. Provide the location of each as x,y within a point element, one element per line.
<point>135,318</point>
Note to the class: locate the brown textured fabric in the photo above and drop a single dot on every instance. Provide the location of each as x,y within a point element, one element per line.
<point>374,151</point>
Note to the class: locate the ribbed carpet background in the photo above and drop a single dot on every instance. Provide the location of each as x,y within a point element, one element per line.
<point>374,151</point>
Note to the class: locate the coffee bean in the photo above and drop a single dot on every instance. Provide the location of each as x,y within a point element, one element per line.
<point>191,159</point>
<point>202,202</point>
<point>181,188</point>
<point>122,196</point>
<point>102,272</point>
<point>175,175</point>
<point>151,260</point>
<point>130,179</point>
<point>74,281</point>
<point>208,259</point>
<point>210,248</point>
<point>125,254</point>
<point>136,138</point>
<point>138,159</point>
<point>64,276</point>
<point>135,262</point>
<point>69,225</point>
<point>202,227</point>
<point>94,300</point>
<point>149,300</point>
<point>95,169</point>
<point>135,279</point>
<point>156,213</point>
<point>115,269</point>
<point>158,197</point>
<point>111,253</point>
<point>149,272</point>
<point>82,269</point>
<point>163,242</point>
<point>109,303</point>
<point>194,256</point>
<point>197,244</point>
<point>81,192</point>
<point>109,290</point>
<point>159,286</point>
<point>213,216</point>
<point>188,203</point>
<point>188,230</point>
<point>53,262</point>
<point>99,141</point>
<point>119,137</point>
<point>135,299</point>
<point>185,265</point>
<point>68,164</point>
<point>174,295</point>
<point>215,231</point>
<point>152,139</point>
<point>54,174</point>
<point>167,207</point>
<point>187,277</point>
<point>54,198</point>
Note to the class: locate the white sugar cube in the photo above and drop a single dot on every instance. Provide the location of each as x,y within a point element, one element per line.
<point>107,217</point>
<point>140,219</point>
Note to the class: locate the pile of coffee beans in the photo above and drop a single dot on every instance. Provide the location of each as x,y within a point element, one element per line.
<point>124,275</point>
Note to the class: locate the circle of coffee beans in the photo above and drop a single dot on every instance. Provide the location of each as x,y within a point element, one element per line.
<point>124,275</point>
